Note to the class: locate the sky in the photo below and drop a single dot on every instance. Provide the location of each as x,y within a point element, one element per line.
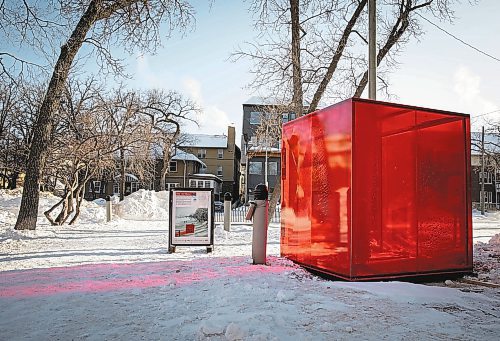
<point>436,72</point>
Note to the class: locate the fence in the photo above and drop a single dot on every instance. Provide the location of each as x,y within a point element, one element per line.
<point>238,215</point>
<point>487,206</point>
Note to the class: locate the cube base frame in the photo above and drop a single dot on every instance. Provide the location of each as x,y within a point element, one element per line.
<point>374,190</point>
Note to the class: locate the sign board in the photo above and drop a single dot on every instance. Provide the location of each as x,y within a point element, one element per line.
<point>191,217</point>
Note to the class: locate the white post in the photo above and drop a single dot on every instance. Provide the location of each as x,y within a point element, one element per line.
<point>227,211</point>
<point>260,218</point>
<point>109,209</point>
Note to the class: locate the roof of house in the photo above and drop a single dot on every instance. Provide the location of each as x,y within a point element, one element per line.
<point>205,140</point>
<point>259,100</point>
<point>262,149</point>
<point>128,177</point>
<point>182,155</point>
<point>491,143</point>
<point>206,176</point>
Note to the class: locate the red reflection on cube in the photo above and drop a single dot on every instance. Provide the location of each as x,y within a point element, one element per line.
<point>375,190</point>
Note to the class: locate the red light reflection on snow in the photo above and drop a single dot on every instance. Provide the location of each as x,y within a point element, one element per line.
<point>122,276</point>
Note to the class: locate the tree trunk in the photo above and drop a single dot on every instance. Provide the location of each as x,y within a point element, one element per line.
<point>64,211</point>
<point>394,36</point>
<point>49,211</point>
<point>122,174</point>
<point>336,57</point>
<point>297,102</point>
<point>274,199</point>
<point>79,198</point>
<point>164,171</point>
<point>13,180</point>
<point>26,220</point>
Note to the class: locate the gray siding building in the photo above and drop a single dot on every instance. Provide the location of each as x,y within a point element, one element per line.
<point>256,154</point>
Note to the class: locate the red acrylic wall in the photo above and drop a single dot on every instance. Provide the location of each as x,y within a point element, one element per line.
<point>372,189</point>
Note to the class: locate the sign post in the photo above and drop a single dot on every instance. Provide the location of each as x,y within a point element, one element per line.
<point>191,221</point>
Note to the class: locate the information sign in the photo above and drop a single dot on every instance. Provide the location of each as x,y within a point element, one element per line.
<point>191,217</point>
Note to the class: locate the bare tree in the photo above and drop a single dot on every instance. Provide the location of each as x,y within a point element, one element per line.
<point>167,111</point>
<point>311,49</point>
<point>19,112</point>
<point>491,144</point>
<point>268,138</point>
<point>80,147</point>
<point>133,24</point>
<point>332,44</point>
<point>129,131</point>
<point>7,104</point>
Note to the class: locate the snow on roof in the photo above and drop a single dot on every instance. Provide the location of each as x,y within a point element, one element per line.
<point>128,177</point>
<point>182,155</point>
<point>259,100</point>
<point>263,149</point>
<point>207,176</point>
<point>205,140</point>
<point>491,143</point>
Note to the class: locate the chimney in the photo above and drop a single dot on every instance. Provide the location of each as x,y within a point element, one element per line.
<point>231,135</point>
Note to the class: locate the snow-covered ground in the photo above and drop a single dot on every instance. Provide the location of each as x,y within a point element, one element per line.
<point>102,281</point>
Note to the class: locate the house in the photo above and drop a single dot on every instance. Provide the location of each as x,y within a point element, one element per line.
<point>221,158</point>
<point>101,188</point>
<point>185,170</point>
<point>261,159</point>
<point>201,161</point>
<point>491,172</point>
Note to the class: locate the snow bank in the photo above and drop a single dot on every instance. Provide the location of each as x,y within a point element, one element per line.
<point>10,201</point>
<point>143,205</point>
<point>487,260</point>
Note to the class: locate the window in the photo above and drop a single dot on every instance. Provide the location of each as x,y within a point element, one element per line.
<point>192,183</point>
<point>220,153</point>
<point>200,184</point>
<point>255,117</point>
<point>284,117</point>
<point>273,168</point>
<point>219,170</point>
<point>97,187</point>
<point>202,153</point>
<point>172,167</point>
<point>488,178</point>
<point>134,186</point>
<point>253,140</point>
<point>207,184</point>
<point>116,188</point>
<point>292,116</point>
<point>488,197</point>
<point>255,167</point>
<point>170,185</point>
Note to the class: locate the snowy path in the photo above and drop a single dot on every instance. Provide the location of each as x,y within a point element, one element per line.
<point>116,242</point>
<point>227,298</point>
<point>115,281</point>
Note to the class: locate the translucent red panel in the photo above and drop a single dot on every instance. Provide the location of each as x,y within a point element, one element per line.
<point>374,189</point>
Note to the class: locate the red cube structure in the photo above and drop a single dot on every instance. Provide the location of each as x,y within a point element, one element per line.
<point>377,190</point>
